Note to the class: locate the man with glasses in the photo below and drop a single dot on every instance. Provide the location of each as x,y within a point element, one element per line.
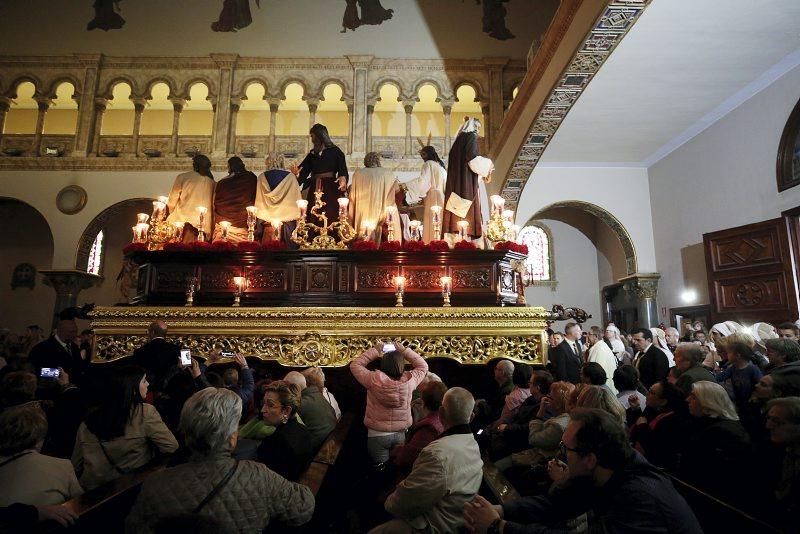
<point>600,475</point>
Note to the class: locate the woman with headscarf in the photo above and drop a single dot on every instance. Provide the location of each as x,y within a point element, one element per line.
<point>428,187</point>
<point>660,341</point>
<point>192,190</point>
<point>614,338</point>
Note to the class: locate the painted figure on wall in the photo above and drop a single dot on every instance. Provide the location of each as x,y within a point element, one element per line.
<point>24,276</point>
<point>234,16</point>
<point>372,13</point>
<point>106,16</point>
<point>494,19</point>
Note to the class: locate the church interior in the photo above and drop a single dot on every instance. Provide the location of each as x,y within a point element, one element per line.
<point>638,191</point>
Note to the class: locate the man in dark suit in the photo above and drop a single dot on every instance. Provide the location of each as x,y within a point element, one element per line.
<point>652,362</point>
<point>566,358</point>
<point>160,358</point>
<point>59,351</point>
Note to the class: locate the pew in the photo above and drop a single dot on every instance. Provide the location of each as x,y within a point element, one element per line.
<point>314,475</point>
<point>498,485</point>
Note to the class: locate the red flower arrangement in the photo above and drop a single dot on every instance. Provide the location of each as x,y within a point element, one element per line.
<point>130,248</point>
<point>414,246</point>
<point>363,246</point>
<point>221,244</point>
<point>201,245</point>
<point>274,245</point>
<point>438,245</point>
<point>390,246</point>
<point>248,245</point>
<point>177,247</point>
<point>465,245</point>
<point>512,246</point>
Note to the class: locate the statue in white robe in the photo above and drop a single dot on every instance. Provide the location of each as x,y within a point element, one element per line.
<point>372,190</point>
<point>428,188</point>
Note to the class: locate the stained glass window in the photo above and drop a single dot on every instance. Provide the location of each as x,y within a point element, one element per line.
<point>95,255</point>
<point>538,262</point>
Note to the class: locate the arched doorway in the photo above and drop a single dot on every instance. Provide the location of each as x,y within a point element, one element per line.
<point>24,299</point>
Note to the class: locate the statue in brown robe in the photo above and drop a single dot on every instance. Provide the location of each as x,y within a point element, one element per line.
<point>232,195</point>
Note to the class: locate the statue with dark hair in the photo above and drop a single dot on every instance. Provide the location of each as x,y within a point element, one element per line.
<point>428,188</point>
<point>232,195</point>
<point>189,191</point>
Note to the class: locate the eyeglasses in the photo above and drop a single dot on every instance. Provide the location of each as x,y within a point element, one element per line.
<point>562,450</point>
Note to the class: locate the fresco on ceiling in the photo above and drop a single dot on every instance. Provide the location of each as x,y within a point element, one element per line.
<point>235,15</point>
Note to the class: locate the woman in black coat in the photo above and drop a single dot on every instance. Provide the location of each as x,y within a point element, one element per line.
<point>289,450</point>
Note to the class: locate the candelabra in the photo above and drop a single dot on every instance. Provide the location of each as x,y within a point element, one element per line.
<point>201,211</point>
<point>323,240</point>
<point>391,213</point>
<point>192,285</point>
<point>414,227</point>
<point>240,282</point>
<point>399,285</point>
<point>159,231</point>
<point>446,287</point>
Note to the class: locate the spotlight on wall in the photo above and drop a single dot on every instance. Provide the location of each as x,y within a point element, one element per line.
<point>688,296</point>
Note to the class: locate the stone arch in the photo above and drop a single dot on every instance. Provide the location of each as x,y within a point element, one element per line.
<point>65,78</point>
<point>169,82</point>
<point>108,92</point>
<point>212,91</point>
<point>39,213</point>
<point>376,87</point>
<point>508,93</point>
<point>428,81</point>
<point>15,83</point>
<point>100,221</point>
<point>346,93</point>
<point>302,82</point>
<point>241,92</point>
<point>631,262</point>
<point>480,93</point>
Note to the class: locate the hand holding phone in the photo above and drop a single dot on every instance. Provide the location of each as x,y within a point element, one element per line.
<point>50,372</point>
<point>389,347</point>
<point>186,358</point>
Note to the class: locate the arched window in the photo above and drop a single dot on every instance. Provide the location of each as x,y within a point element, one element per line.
<point>540,259</point>
<point>95,255</point>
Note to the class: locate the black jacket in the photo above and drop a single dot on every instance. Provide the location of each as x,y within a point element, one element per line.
<point>653,366</point>
<point>288,451</point>
<point>161,359</point>
<point>565,364</point>
<point>51,353</point>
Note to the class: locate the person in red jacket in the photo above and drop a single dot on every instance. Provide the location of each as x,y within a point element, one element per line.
<point>389,392</point>
<point>423,431</point>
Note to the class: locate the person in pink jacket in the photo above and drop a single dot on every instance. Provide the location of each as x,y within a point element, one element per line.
<point>389,392</point>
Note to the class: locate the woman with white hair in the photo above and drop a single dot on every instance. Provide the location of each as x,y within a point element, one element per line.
<point>245,496</point>
<point>717,453</point>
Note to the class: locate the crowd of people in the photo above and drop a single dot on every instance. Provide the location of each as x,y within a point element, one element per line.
<point>591,437</point>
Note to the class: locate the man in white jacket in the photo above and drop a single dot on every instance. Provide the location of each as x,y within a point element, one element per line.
<point>601,353</point>
<point>446,475</point>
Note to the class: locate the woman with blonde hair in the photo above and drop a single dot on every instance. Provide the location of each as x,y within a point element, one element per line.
<point>289,449</point>
<point>715,438</point>
<point>601,398</point>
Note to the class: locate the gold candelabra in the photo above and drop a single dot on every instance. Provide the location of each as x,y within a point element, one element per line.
<point>323,240</point>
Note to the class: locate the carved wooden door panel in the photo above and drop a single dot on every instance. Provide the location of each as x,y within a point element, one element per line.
<point>750,273</point>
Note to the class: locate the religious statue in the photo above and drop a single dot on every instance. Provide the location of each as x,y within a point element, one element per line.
<point>235,15</point>
<point>373,190</point>
<point>428,187</point>
<point>465,191</point>
<point>190,191</point>
<point>106,16</point>
<point>232,196</point>
<point>276,198</point>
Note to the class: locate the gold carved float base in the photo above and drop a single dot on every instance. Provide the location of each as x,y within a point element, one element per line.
<point>330,337</point>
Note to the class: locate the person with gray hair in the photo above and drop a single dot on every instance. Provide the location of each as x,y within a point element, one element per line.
<point>317,414</point>
<point>26,476</point>
<point>689,361</point>
<point>372,191</point>
<point>783,355</point>
<point>446,475</point>
<point>245,496</point>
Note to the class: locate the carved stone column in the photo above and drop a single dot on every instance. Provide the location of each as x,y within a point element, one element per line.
<point>84,128</point>
<point>222,116</point>
<point>100,105</point>
<point>5,104</point>
<point>274,104</point>
<point>408,106</point>
<point>313,104</point>
<point>370,113</point>
<point>360,66</point>
<point>487,128</point>
<point>44,104</point>
<point>236,103</point>
<point>644,287</point>
<point>349,104</point>
<point>138,109</point>
<point>493,113</point>
<point>67,283</point>
<point>177,109</point>
<point>447,109</point>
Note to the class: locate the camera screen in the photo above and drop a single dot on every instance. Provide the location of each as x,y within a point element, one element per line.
<point>186,357</point>
<point>50,372</point>
<point>389,347</point>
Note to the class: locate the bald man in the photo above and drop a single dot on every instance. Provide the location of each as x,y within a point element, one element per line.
<point>316,412</point>
<point>446,475</point>
<point>160,358</point>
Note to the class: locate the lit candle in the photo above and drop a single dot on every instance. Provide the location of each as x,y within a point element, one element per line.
<point>303,206</point>
<point>224,226</point>
<point>158,211</point>
<point>367,228</point>
<point>135,234</point>
<point>178,230</point>
<point>437,222</point>
<point>240,282</point>
<point>399,282</point>
<point>414,227</point>
<point>446,281</point>
<point>142,218</point>
<point>343,203</point>
<point>202,213</point>
<point>142,229</point>
<point>276,229</point>
<point>391,211</point>
<point>251,215</point>
<point>463,226</point>
<point>497,203</point>
<point>514,232</point>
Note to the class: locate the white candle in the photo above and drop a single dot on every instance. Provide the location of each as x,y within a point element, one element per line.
<point>414,227</point>
<point>276,229</point>
<point>303,205</point>
<point>497,203</point>
<point>158,211</point>
<point>437,211</point>
<point>201,210</point>
<point>142,218</point>
<point>142,229</point>
<point>446,281</point>
<point>390,212</point>
<point>225,225</point>
<point>251,215</point>
<point>514,232</point>
<point>463,226</point>
<point>399,282</point>
<point>178,230</point>
<point>367,228</point>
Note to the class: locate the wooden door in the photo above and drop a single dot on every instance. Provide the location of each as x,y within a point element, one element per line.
<point>750,273</point>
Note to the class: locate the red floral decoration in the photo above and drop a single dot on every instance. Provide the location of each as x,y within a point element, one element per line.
<point>438,246</point>
<point>512,246</point>
<point>414,246</point>
<point>465,245</point>
<point>248,245</point>
<point>221,244</point>
<point>274,245</point>
<point>390,246</point>
<point>177,247</point>
<point>363,246</point>
<point>201,245</point>
<point>130,248</point>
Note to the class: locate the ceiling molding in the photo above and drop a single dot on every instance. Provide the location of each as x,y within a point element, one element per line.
<point>608,30</point>
<point>774,73</point>
<point>591,165</point>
